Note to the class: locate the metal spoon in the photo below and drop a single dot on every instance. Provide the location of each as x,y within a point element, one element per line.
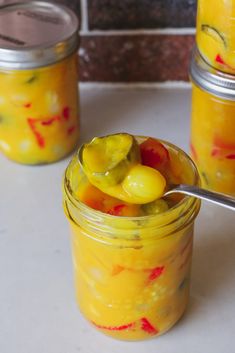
<point>214,197</point>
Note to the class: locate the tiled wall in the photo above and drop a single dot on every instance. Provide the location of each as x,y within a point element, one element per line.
<point>135,14</point>
<point>134,40</point>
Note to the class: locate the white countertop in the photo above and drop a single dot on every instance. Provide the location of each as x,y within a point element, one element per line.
<point>38,313</point>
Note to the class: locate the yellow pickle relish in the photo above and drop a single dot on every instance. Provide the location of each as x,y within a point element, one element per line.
<point>39,113</point>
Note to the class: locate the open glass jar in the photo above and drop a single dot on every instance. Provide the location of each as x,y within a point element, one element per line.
<point>212,125</point>
<point>132,274</point>
<point>38,82</point>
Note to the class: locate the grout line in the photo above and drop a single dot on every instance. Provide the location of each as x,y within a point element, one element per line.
<point>162,31</point>
<point>136,85</point>
<point>84,17</point>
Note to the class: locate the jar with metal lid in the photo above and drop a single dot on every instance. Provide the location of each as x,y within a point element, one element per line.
<point>213,125</point>
<point>216,33</point>
<point>39,120</point>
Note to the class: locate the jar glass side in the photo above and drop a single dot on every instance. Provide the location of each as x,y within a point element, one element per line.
<point>215,33</point>
<point>213,140</point>
<point>39,112</point>
<point>131,274</point>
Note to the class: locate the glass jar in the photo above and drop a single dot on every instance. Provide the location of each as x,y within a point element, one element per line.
<point>38,82</point>
<point>212,125</point>
<point>216,33</point>
<point>132,274</point>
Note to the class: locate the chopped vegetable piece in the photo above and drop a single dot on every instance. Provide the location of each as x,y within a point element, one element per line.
<point>148,327</point>
<point>155,273</point>
<point>116,210</point>
<point>144,183</point>
<point>230,156</point>
<point>66,113</point>
<point>155,207</point>
<point>115,328</point>
<point>205,178</point>
<point>220,143</point>
<point>220,61</point>
<point>32,79</point>
<point>71,130</point>
<point>107,160</point>
<point>154,154</point>
<point>39,138</point>
<point>214,33</point>
<point>193,152</point>
<point>223,149</point>
<point>144,324</point>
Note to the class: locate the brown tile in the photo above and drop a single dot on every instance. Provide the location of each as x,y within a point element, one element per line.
<point>132,14</point>
<point>139,58</point>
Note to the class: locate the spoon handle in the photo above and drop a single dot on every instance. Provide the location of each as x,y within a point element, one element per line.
<point>214,197</point>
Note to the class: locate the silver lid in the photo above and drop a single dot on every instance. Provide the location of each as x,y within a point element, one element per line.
<point>210,79</point>
<point>36,33</point>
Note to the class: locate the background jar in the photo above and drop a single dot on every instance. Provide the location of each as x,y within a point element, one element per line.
<point>212,125</point>
<point>216,33</point>
<point>39,120</point>
<point>131,273</point>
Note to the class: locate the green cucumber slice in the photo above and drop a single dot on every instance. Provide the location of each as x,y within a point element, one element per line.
<point>155,207</point>
<point>214,33</point>
<point>106,160</point>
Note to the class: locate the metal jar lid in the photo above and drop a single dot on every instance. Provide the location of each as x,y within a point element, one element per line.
<point>35,34</point>
<point>211,80</point>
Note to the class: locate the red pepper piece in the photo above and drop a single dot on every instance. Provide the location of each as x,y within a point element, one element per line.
<point>155,273</point>
<point>115,328</point>
<point>230,156</point>
<point>194,152</point>
<point>219,59</point>
<point>215,152</point>
<point>116,210</point>
<point>145,325</point>
<point>66,113</point>
<point>50,121</point>
<point>39,138</point>
<point>28,105</point>
<point>148,327</point>
<point>153,153</point>
<point>71,130</point>
<point>220,143</point>
<point>221,148</point>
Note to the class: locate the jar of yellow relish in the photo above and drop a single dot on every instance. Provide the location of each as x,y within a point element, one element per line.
<point>216,33</point>
<point>132,274</point>
<point>39,120</point>
<point>212,125</point>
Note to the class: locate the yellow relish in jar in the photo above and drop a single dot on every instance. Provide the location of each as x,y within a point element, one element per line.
<point>212,125</point>
<point>131,246</point>
<point>39,120</point>
<point>215,33</point>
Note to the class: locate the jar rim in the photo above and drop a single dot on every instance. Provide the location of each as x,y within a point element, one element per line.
<point>210,79</point>
<point>186,199</point>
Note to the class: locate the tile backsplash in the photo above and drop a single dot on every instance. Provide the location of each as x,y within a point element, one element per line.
<point>135,14</point>
<point>134,40</point>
